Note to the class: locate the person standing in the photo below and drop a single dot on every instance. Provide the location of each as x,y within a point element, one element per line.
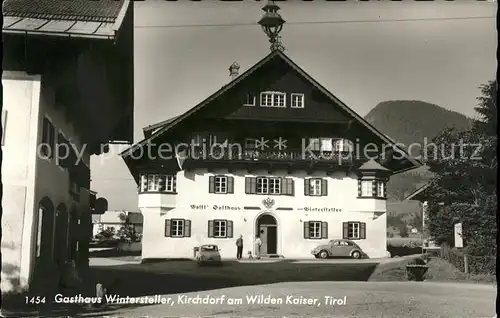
<point>239,247</point>
<point>258,243</point>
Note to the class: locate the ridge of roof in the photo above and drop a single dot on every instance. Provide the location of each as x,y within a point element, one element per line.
<point>243,76</point>
<point>416,192</point>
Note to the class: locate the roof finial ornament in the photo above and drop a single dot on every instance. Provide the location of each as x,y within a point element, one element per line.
<point>272,24</point>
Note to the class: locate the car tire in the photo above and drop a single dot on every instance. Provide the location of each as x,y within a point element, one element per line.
<point>323,254</point>
<point>356,255</point>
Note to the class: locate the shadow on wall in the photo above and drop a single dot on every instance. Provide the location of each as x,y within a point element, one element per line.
<point>10,272</point>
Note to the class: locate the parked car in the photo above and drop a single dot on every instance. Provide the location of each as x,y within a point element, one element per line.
<point>208,254</point>
<point>339,248</point>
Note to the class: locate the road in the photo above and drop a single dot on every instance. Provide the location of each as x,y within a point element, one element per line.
<point>363,300</point>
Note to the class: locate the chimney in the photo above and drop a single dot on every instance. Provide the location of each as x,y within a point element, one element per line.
<point>234,70</point>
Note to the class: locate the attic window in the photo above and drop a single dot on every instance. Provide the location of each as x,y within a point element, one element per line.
<point>297,100</point>
<point>249,100</point>
<point>272,99</point>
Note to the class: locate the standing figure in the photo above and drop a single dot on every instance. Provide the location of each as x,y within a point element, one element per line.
<point>258,243</point>
<point>239,247</point>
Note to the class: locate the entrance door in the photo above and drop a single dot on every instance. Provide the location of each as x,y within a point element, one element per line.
<point>267,229</point>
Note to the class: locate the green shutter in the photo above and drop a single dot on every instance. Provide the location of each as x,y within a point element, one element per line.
<point>362,231</point>
<point>345,230</point>
<point>229,229</point>
<point>324,187</point>
<point>307,187</point>
<point>306,230</point>
<point>230,185</point>
<point>324,230</point>
<point>174,183</point>
<point>374,188</point>
<point>211,184</point>
<point>290,186</point>
<point>250,185</point>
<point>187,228</point>
<point>144,183</point>
<point>162,184</point>
<point>359,188</point>
<point>168,229</point>
<point>211,228</point>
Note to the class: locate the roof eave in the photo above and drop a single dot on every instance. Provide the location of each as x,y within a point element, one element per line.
<point>110,37</point>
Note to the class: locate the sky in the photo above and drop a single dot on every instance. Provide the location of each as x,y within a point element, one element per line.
<point>363,52</point>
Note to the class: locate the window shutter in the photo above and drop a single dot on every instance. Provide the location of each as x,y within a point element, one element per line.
<point>229,229</point>
<point>211,184</point>
<point>359,188</point>
<point>230,185</point>
<point>324,187</point>
<point>306,230</point>
<point>144,183</point>
<point>250,185</point>
<point>307,187</point>
<point>345,230</point>
<point>174,183</point>
<point>362,231</point>
<point>210,228</point>
<point>374,188</point>
<point>187,228</point>
<point>168,228</point>
<point>324,230</point>
<point>290,186</point>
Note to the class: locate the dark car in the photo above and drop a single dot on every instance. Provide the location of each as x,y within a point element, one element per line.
<point>339,248</point>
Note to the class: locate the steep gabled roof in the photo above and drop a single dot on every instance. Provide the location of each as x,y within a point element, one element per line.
<point>414,194</point>
<point>78,18</point>
<point>279,55</point>
<point>149,130</point>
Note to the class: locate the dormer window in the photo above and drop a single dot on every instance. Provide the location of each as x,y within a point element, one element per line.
<point>249,100</point>
<point>372,188</point>
<point>297,100</point>
<point>272,99</point>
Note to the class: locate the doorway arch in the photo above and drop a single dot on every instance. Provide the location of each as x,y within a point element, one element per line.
<point>266,226</point>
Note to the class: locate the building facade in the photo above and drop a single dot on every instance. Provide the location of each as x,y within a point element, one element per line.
<point>50,131</point>
<point>272,154</point>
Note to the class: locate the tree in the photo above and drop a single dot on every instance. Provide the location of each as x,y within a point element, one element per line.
<point>106,234</point>
<point>463,188</point>
<point>403,230</point>
<point>127,232</point>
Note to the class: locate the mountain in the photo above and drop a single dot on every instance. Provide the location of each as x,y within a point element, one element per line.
<point>409,122</point>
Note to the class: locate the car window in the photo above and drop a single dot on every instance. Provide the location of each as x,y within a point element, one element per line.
<point>335,243</point>
<point>347,243</point>
<point>209,248</point>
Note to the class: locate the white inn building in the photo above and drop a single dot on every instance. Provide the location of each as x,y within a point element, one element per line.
<point>274,154</point>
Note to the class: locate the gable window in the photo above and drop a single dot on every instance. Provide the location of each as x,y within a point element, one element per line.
<point>272,99</point>
<point>320,144</point>
<point>249,100</point>
<point>269,185</point>
<point>297,100</point>
<point>221,184</point>
<point>48,138</point>
<point>315,230</point>
<point>220,228</point>
<point>315,187</point>
<point>158,183</point>
<point>354,230</point>
<point>177,228</point>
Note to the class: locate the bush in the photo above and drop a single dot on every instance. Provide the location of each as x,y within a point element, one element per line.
<point>404,246</point>
<point>477,264</point>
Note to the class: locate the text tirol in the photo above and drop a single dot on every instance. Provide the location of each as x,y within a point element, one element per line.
<point>215,207</point>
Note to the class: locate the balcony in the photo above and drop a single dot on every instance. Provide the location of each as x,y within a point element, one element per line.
<point>299,159</point>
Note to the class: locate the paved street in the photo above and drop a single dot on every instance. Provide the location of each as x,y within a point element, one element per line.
<point>363,299</point>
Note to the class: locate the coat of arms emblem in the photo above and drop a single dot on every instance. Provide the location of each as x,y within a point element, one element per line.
<point>268,203</point>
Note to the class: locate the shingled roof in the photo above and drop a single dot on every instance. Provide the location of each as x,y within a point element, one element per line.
<point>100,18</point>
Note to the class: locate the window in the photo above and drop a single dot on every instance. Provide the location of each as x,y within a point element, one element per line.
<point>354,230</point>
<point>366,188</point>
<point>269,185</point>
<point>320,144</point>
<point>220,228</point>
<point>272,99</point>
<point>48,139</point>
<point>250,143</point>
<point>344,145</point>
<point>315,230</point>
<point>4,125</point>
<point>297,100</point>
<point>177,228</point>
<point>62,151</point>
<point>315,187</point>
<point>158,183</point>
<point>249,100</point>
<point>221,184</point>
<point>380,189</point>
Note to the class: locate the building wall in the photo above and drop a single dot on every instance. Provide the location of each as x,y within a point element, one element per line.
<point>27,177</point>
<point>192,189</point>
<point>21,94</point>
